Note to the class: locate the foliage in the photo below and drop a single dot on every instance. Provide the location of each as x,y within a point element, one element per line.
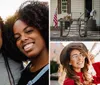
<point>53,67</point>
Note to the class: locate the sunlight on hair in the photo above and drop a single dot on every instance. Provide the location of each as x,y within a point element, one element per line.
<point>9,7</point>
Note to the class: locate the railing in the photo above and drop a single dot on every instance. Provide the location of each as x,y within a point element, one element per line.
<point>76,15</point>
<point>64,23</point>
<point>82,32</point>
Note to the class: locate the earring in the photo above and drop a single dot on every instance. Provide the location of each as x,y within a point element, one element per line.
<point>69,63</point>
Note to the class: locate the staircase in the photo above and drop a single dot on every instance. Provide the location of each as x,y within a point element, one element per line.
<point>77,26</point>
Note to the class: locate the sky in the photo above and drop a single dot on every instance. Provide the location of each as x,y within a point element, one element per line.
<point>9,7</point>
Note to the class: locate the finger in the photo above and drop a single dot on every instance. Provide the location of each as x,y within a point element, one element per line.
<point>91,57</point>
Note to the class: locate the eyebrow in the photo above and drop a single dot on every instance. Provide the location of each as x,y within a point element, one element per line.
<point>26,28</point>
<point>76,54</point>
<point>73,54</point>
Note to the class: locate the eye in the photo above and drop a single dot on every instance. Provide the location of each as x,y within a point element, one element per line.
<point>17,37</point>
<point>74,56</point>
<point>29,30</point>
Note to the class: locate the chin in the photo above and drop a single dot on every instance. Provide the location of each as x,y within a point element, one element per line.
<point>31,56</point>
<point>81,66</point>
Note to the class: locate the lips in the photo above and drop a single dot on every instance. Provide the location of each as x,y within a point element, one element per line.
<point>79,63</point>
<point>28,47</point>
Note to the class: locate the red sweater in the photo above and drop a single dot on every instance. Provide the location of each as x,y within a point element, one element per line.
<point>96,78</point>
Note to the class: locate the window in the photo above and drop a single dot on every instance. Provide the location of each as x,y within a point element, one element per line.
<point>64,6</point>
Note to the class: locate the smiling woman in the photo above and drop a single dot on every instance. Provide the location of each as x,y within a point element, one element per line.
<point>28,39</point>
<point>31,36</point>
<point>75,59</point>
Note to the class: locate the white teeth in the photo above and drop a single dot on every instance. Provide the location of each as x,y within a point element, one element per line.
<point>28,47</point>
<point>79,62</point>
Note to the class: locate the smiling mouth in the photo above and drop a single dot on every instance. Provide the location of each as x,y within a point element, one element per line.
<point>79,63</point>
<point>28,47</point>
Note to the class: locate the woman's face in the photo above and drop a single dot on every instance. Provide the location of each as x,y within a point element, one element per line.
<point>28,39</point>
<point>0,38</point>
<point>77,60</point>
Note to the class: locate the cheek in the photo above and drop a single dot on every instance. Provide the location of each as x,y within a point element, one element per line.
<point>18,44</point>
<point>73,62</point>
<point>84,60</point>
<point>40,40</point>
<point>43,43</point>
<point>40,45</point>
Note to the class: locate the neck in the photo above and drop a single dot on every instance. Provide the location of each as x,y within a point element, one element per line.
<point>77,69</point>
<point>40,61</point>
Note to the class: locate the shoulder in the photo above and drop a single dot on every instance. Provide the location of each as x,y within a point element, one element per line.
<point>96,63</point>
<point>96,67</point>
<point>68,81</point>
<point>46,75</point>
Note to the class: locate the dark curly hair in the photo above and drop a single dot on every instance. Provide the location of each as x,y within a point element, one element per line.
<point>33,14</point>
<point>36,14</point>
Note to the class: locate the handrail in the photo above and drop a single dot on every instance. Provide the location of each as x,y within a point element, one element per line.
<point>74,12</point>
<point>85,28</point>
<point>81,15</point>
<point>86,11</point>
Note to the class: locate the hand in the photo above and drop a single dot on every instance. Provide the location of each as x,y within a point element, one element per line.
<point>90,58</point>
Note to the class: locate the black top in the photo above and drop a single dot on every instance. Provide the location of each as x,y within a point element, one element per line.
<point>27,76</point>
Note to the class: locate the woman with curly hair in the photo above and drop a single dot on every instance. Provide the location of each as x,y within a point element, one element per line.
<point>31,34</point>
<point>75,60</point>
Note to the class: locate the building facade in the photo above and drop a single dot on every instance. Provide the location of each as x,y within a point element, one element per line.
<point>76,8</point>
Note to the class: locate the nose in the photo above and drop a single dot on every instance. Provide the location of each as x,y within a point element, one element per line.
<point>24,37</point>
<point>80,57</point>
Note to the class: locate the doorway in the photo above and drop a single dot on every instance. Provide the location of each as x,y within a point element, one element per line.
<point>88,8</point>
